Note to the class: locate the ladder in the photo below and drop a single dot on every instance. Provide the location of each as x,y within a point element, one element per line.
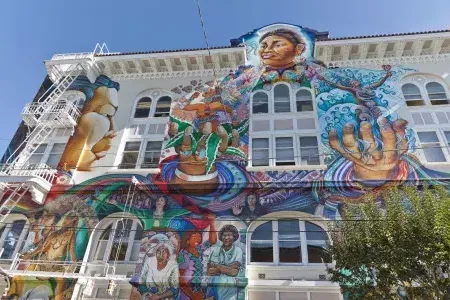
<point>43,120</point>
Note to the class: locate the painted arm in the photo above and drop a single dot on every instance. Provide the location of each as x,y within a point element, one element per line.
<point>337,85</point>
<point>380,83</point>
<point>230,270</point>
<point>212,233</point>
<point>184,285</point>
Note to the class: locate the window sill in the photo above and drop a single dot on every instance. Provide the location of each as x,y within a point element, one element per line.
<point>287,168</point>
<point>287,267</point>
<point>134,171</point>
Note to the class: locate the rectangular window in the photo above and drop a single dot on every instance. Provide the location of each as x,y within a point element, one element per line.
<point>289,241</point>
<point>309,150</point>
<point>36,158</point>
<point>130,155</point>
<point>429,142</point>
<point>152,154</point>
<point>260,152</point>
<point>284,151</point>
<point>55,154</point>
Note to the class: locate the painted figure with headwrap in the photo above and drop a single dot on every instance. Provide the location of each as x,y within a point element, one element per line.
<point>158,275</point>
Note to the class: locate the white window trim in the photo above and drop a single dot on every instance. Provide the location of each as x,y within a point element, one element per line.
<point>425,78</point>
<point>274,217</point>
<point>148,93</point>
<point>272,152</point>
<point>442,142</point>
<point>302,291</point>
<point>292,98</point>
<point>102,226</point>
<point>22,237</point>
<point>140,159</point>
<point>50,141</point>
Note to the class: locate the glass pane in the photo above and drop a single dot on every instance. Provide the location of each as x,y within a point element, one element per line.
<point>325,296</point>
<point>304,106</point>
<point>261,295</point>
<point>101,248</point>
<point>129,160</point>
<point>11,239</point>
<point>447,136</point>
<point>163,107</point>
<point>260,157</point>
<point>285,154</point>
<point>314,232</point>
<point>281,98</point>
<point>143,108</point>
<point>433,153</point>
<point>105,233</point>
<point>260,143</point>
<point>303,95</point>
<point>310,156</point>
<point>435,88</point>
<point>308,141</point>
<point>290,252</point>
<point>261,251</point>
<point>260,103</point>
<point>118,251</point>
<point>410,89</point>
<point>284,142</point>
<point>132,146</point>
<point>154,146</point>
<point>35,159</point>
<point>135,251</point>
<point>58,148</point>
<point>293,296</point>
<point>41,149</point>
<point>53,159</point>
<point>263,232</point>
<point>151,159</point>
<point>428,137</point>
<point>317,254</point>
<point>288,230</point>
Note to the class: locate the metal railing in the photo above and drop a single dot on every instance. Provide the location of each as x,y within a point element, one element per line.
<point>66,113</point>
<point>41,171</point>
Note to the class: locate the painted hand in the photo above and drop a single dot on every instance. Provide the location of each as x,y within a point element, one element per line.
<point>237,209</point>
<point>379,163</point>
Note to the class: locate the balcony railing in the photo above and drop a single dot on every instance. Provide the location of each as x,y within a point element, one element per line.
<point>41,171</point>
<point>65,114</point>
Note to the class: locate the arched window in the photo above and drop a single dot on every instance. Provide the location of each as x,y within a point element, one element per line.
<point>304,100</point>
<point>281,98</point>
<point>436,93</point>
<point>260,103</point>
<point>299,242</point>
<point>11,238</point>
<point>120,240</point>
<point>143,108</point>
<point>412,95</point>
<point>163,106</point>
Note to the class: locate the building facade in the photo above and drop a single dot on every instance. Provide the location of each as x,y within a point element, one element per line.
<point>215,173</point>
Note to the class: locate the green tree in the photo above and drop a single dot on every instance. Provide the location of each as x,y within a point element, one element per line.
<point>397,239</point>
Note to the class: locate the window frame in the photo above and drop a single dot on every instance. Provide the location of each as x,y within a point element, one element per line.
<point>297,151</point>
<point>443,143</point>
<point>292,100</point>
<point>422,98</point>
<point>141,153</point>
<point>113,221</point>
<point>155,95</point>
<point>9,221</point>
<point>275,238</point>
<point>421,80</point>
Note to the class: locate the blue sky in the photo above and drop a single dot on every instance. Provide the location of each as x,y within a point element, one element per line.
<point>32,31</point>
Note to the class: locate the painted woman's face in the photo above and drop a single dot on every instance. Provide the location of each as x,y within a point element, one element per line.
<point>195,239</point>
<point>251,200</point>
<point>162,255</point>
<point>227,238</point>
<point>160,203</point>
<point>278,52</point>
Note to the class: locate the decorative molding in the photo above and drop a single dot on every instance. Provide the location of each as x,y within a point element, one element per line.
<point>390,60</point>
<point>167,75</point>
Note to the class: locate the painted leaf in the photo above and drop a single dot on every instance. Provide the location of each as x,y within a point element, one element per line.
<point>175,141</point>
<point>235,151</point>
<point>212,145</point>
<point>182,125</point>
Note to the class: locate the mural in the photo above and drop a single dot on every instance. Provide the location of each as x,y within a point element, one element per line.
<point>195,213</point>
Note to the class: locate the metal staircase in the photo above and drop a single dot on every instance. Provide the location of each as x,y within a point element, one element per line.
<point>16,177</point>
